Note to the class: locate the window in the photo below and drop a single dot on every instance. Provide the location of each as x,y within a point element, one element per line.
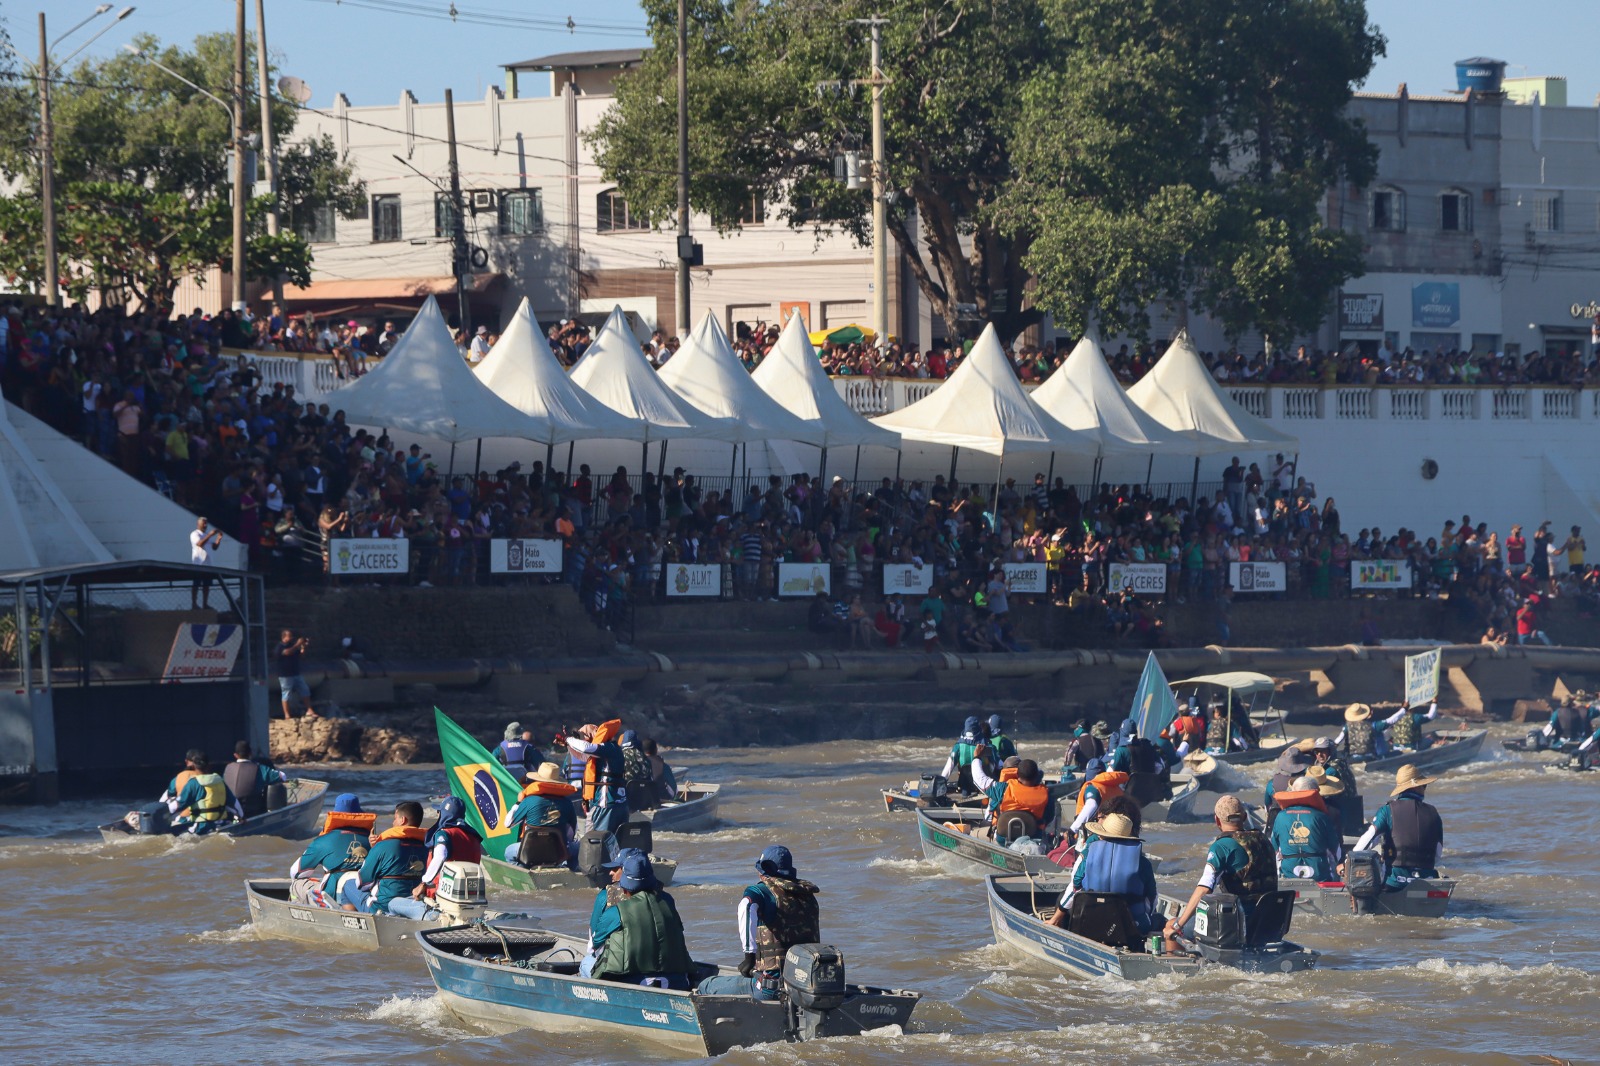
<point>1547,212</point>
<point>753,212</point>
<point>386,217</point>
<point>521,213</point>
<point>1483,343</point>
<point>613,215</point>
<point>444,215</point>
<point>1455,211</point>
<point>1388,209</point>
<point>315,225</point>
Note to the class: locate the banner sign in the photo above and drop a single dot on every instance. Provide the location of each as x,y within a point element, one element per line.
<point>1026,577</point>
<point>1360,312</point>
<point>524,556</point>
<point>369,555</point>
<point>1379,574</point>
<point>203,653</point>
<point>1422,678</point>
<point>1258,577</point>
<point>907,577</point>
<point>1435,304</point>
<point>1145,579</point>
<point>694,579</point>
<point>804,579</point>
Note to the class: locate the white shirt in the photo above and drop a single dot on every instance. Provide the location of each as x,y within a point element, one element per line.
<point>198,552</point>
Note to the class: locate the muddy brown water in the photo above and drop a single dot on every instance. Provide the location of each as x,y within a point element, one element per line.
<point>141,952</point>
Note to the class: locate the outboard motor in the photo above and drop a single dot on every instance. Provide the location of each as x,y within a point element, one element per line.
<point>1219,922</point>
<point>462,894</point>
<point>596,848</point>
<point>813,982</point>
<point>1363,880</point>
<point>934,790</point>
<point>152,821</point>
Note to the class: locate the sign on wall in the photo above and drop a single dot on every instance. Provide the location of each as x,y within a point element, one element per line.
<point>906,578</point>
<point>694,579</point>
<point>1379,574</point>
<point>369,555</point>
<point>203,653</point>
<point>1258,577</point>
<point>1360,312</point>
<point>1026,577</point>
<point>1146,579</point>
<point>1435,304</point>
<point>524,556</point>
<point>804,579</point>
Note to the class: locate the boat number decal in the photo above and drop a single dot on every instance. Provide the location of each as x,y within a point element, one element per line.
<point>874,1008</point>
<point>352,922</point>
<point>944,840</point>
<point>597,995</point>
<point>654,1016</point>
<point>301,916</point>
<point>1201,922</point>
<point>998,860</point>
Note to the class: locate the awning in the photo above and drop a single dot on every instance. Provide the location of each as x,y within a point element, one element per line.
<point>418,289</point>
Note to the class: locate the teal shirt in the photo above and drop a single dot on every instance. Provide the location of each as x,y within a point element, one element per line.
<point>396,866</point>
<point>1304,836</point>
<point>1122,760</point>
<point>545,810</point>
<point>1003,747</point>
<point>1226,855</point>
<point>603,920</point>
<point>335,852</point>
<point>193,795</point>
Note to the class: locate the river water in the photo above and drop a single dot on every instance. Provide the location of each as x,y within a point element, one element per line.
<point>141,952</point>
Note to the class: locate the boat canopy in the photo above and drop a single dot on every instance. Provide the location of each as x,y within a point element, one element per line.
<point>1243,682</point>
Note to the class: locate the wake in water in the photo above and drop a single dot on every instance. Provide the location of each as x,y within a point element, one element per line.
<point>425,1013</point>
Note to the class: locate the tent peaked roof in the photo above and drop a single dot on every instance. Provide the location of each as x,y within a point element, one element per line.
<point>38,527</point>
<point>984,407</point>
<point>1084,395</point>
<point>522,371</point>
<point>793,376</point>
<point>613,333</point>
<point>707,374</point>
<point>423,386</point>
<point>619,376</point>
<point>1182,395</point>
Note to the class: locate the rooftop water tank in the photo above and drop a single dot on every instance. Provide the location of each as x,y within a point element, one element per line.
<point>1480,73</point>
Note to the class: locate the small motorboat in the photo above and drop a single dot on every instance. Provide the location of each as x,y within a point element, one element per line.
<point>507,978</point>
<point>930,793</point>
<point>695,809</point>
<point>1419,899</point>
<point>1247,698</point>
<point>1450,748</point>
<point>531,879</point>
<point>972,853</point>
<point>295,820</point>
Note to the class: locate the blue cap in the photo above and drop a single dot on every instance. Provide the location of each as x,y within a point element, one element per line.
<point>636,872</point>
<point>629,738</point>
<point>347,803</point>
<point>995,722</point>
<point>1095,766</point>
<point>777,862</point>
<point>450,809</point>
<point>613,858</point>
<point>971,726</point>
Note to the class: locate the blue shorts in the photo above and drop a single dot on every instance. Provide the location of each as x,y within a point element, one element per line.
<point>294,686</point>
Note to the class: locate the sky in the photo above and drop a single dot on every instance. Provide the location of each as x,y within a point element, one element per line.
<point>372,49</point>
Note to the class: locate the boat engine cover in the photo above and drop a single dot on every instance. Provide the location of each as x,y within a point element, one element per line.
<point>1219,921</point>
<point>595,848</point>
<point>1363,874</point>
<point>813,975</point>
<point>462,891</point>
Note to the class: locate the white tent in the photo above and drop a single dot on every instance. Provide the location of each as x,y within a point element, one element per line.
<point>619,376</point>
<point>793,376</point>
<point>1182,395</point>
<point>423,386</point>
<point>1084,395</point>
<point>984,407</point>
<point>706,373</point>
<point>614,334</point>
<point>521,370</point>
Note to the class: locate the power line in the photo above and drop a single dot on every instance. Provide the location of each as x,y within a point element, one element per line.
<point>485,18</point>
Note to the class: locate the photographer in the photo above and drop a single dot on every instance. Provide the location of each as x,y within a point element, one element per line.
<point>290,683</point>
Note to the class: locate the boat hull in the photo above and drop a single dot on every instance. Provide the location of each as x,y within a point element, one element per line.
<point>1270,749</point>
<point>695,814</point>
<point>556,878</point>
<point>1458,749</point>
<point>275,916</point>
<point>1419,899</point>
<point>296,820</point>
<point>1022,932</point>
<point>966,855</point>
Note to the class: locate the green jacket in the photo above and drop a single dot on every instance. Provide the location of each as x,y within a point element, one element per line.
<point>650,941</point>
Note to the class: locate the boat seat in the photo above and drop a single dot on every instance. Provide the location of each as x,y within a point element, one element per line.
<point>542,845</point>
<point>1014,825</point>
<point>1269,922</point>
<point>1106,920</point>
<point>636,834</point>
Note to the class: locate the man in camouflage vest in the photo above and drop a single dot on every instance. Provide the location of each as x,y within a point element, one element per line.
<point>776,913</point>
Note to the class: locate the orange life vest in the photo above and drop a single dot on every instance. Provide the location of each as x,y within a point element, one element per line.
<point>1305,798</point>
<point>349,820</point>
<point>1035,799</point>
<point>414,833</point>
<point>178,783</point>
<point>1108,784</point>
<point>591,766</point>
<point>548,788</point>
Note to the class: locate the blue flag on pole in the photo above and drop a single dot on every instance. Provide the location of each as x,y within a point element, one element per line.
<point>1153,706</point>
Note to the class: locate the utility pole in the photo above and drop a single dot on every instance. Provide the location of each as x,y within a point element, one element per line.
<point>458,228</point>
<point>241,186</point>
<point>269,151</point>
<point>52,288</point>
<point>685,242</point>
<point>880,187</point>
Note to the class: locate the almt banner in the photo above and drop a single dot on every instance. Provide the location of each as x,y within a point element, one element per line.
<point>203,653</point>
<point>1422,678</point>
<point>1360,312</point>
<point>804,579</point>
<point>1435,304</point>
<point>1258,577</point>
<point>524,556</point>
<point>369,555</point>
<point>694,579</point>
<point>1145,579</point>
<point>906,578</point>
<point>1026,577</point>
<point>1379,574</point>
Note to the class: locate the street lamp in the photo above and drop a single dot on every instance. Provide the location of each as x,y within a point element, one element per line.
<point>52,293</point>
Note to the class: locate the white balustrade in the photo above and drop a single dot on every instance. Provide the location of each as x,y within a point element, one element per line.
<point>1558,403</point>
<point>1353,403</point>
<point>1253,399</point>
<point>1458,403</point>
<point>1510,403</point>
<point>1302,403</point>
<point>1408,405</point>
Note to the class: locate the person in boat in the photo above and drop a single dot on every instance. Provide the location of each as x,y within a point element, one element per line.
<point>1325,754</point>
<point>603,917</point>
<point>1189,729</point>
<point>1293,762</point>
<point>1239,861</point>
<point>1135,754</point>
<point>452,840</point>
<point>1099,786</point>
<point>393,869</point>
<point>1018,787</point>
<point>603,790</point>
<point>546,799</point>
<point>1002,746</point>
<point>1408,830</point>
<point>1403,728</point>
<point>647,947</point>
<point>517,750</point>
<point>1083,749</point>
<point>1167,757</point>
<point>1113,862</point>
<point>1305,835</point>
<point>248,778</point>
<point>958,766</point>
<point>774,914</point>
<point>1222,734</point>
<point>662,779</point>
<point>161,811</point>
<point>636,772</point>
<point>328,861</point>
<point>1357,740</point>
<point>206,797</point>
<point>1573,720</point>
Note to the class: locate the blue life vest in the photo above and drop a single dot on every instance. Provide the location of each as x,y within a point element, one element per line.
<point>1112,866</point>
<point>515,754</point>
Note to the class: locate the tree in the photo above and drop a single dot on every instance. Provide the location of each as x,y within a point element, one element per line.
<point>143,180</point>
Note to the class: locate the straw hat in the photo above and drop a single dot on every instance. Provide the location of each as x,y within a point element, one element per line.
<point>1113,827</point>
<point>1305,744</point>
<point>1200,763</point>
<point>1407,777</point>
<point>1357,712</point>
<point>549,772</point>
<point>1326,786</point>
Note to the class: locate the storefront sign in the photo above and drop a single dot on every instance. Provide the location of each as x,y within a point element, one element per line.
<point>203,653</point>
<point>1379,574</point>
<point>1435,303</point>
<point>1360,312</point>
<point>1258,577</point>
<point>804,579</point>
<point>523,556</point>
<point>907,577</point>
<point>1588,310</point>
<point>1026,577</point>
<point>369,555</point>
<point>1145,579</point>
<point>694,579</point>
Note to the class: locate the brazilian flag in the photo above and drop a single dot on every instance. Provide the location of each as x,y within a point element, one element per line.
<point>481,782</point>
